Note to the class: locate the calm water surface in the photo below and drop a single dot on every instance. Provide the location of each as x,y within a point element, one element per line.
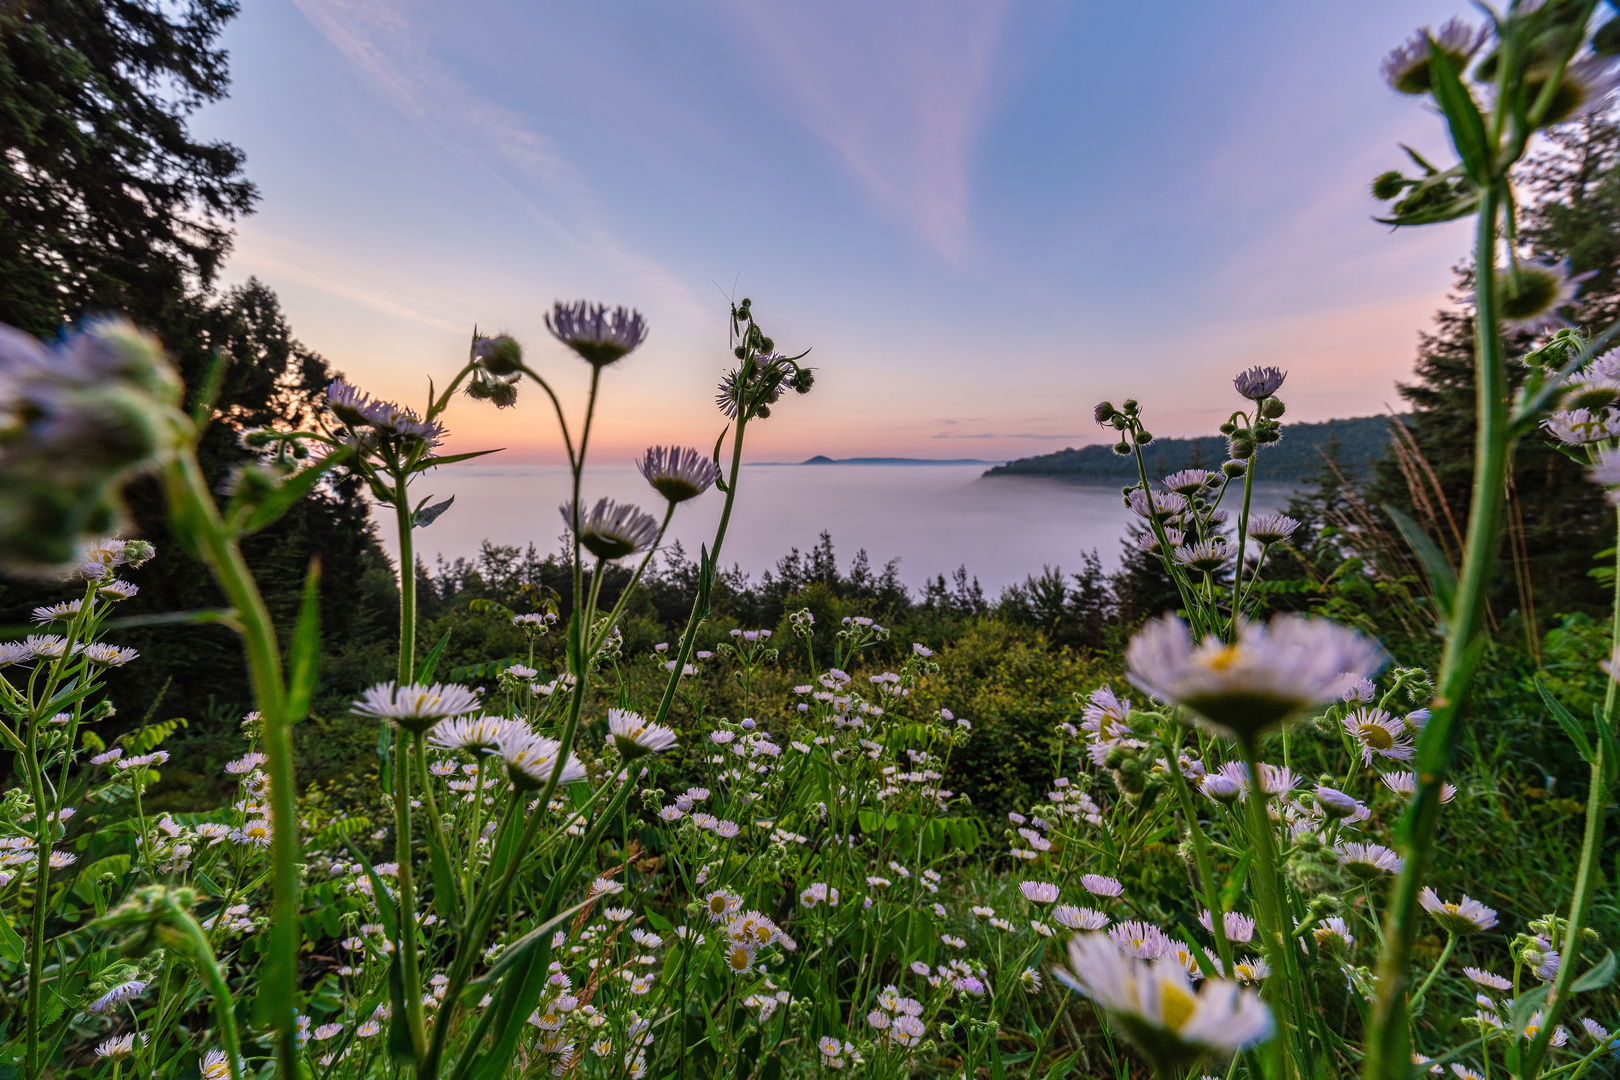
<point>934,518</point>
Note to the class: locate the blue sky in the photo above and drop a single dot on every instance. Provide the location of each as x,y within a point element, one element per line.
<point>983,215</point>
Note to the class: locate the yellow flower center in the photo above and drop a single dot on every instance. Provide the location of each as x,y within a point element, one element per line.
<point>1176,1005</point>
<point>1223,659</point>
<point>738,959</point>
<point>1376,736</point>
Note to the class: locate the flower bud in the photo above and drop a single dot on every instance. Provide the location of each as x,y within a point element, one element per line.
<point>1235,469</point>
<point>1388,185</point>
<point>1104,412</point>
<point>1273,408</point>
<point>1143,438</point>
<point>1123,449</point>
<point>1241,447</point>
<point>498,355</point>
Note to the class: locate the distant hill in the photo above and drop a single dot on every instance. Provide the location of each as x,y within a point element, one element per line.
<point>1362,440</point>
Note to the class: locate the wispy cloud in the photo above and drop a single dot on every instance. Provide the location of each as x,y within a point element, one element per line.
<point>900,91</point>
<point>392,53</point>
<point>290,260</point>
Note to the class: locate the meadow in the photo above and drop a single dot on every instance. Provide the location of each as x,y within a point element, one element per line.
<point>1301,793</point>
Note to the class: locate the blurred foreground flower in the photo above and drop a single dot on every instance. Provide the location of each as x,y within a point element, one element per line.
<point>1155,1007</point>
<point>78,420</point>
<point>1271,673</point>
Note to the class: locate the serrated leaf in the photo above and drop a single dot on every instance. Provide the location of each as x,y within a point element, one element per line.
<point>1597,976</point>
<point>1442,578</point>
<point>427,515</point>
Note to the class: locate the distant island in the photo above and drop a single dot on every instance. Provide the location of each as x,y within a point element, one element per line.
<point>1361,441</point>
<point>823,459</point>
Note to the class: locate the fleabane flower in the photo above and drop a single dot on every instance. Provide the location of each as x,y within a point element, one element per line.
<point>1583,427</point>
<point>1405,783</point>
<point>1465,916</point>
<point>635,737</point>
<point>1259,383</point>
<point>1100,885</point>
<point>1190,482</point>
<point>1333,936</point>
<point>1075,918</point>
<point>1038,892</point>
<point>472,733</point>
<point>1406,69</point>
<point>531,759</point>
<point>1378,734</point>
<point>1585,88</point>
<point>1529,300</point>
<point>600,335</point>
<point>1205,556</point>
<point>414,707</point>
<point>1368,861</point>
<point>1156,1008</point>
<point>1271,529</point>
<point>612,530</point>
<point>678,473</point>
<point>1238,926</point>
<point>1271,673</point>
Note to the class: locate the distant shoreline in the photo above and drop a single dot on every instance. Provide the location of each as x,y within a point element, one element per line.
<point>822,459</point>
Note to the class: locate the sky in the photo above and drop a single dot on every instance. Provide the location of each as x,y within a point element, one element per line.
<point>982,216</point>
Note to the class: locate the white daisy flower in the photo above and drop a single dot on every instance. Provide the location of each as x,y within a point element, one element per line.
<point>1155,1006</point>
<point>1368,861</point>
<point>1465,916</point>
<point>415,707</point>
<point>1271,673</point>
<point>635,737</point>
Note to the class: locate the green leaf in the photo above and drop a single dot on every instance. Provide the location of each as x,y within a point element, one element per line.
<point>430,662</point>
<point>1524,1007</point>
<point>444,883</point>
<point>400,1047</point>
<point>1467,126</point>
<point>11,943</point>
<point>1234,883</point>
<point>1597,976</point>
<point>385,903</point>
<point>280,500</point>
<point>523,946</point>
<point>304,657</point>
<point>1442,578</point>
<point>657,921</point>
<point>451,459</point>
<point>427,515</point>
<point>1567,721</point>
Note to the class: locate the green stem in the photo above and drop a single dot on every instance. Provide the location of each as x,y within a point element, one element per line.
<point>1243,536</point>
<point>1389,1042</point>
<point>1445,954</point>
<point>1268,905</point>
<point>190,498</point>
<point>410,962</point>
<point>224,1005</point>
<point>1206,870</point>
<point>1597,802</point>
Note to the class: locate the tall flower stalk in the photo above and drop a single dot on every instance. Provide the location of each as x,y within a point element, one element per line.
<point>1530,51</point>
